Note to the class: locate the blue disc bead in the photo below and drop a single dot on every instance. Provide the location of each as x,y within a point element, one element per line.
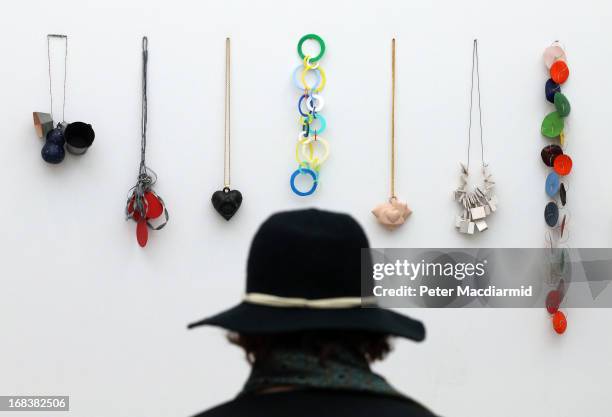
<point>552,184</point>
<point>550,89</point>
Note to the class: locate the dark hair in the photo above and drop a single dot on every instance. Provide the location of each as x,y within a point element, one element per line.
<point>323,343</point>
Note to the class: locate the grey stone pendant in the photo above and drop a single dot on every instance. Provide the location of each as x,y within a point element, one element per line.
<point>226,202</point>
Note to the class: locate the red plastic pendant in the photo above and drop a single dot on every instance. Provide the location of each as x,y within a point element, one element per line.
<point>559,322</point>
<point>142,233</point>
<point>553,301</point>
<point>135,214</point>
<point>559,72</point>
<point>154,206</point>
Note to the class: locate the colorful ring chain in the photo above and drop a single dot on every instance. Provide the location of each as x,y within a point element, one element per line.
<point>312,124</point>
<point>554,157</point>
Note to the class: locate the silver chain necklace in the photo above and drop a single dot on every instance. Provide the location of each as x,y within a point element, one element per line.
<point>480,203</point>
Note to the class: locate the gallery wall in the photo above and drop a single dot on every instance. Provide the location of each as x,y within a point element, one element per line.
<point>85,312</point>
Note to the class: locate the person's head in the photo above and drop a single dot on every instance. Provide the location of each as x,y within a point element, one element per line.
<point>324,344</point>
<point>306,274</point>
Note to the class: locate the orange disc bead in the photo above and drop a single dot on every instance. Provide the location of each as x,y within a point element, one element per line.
<point>562,164</point>
<point>559,72</point>
<point>559,322</point>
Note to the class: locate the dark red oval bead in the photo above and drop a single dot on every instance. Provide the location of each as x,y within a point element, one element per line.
<point>549,153</point>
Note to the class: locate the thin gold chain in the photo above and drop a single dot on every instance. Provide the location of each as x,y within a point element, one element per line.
<point>227,132</point>
<point>393,118</point>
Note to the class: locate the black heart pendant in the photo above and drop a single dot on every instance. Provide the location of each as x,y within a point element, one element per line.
<point>226,202</point>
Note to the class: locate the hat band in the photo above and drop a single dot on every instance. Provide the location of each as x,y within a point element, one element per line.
<point>276,301</point>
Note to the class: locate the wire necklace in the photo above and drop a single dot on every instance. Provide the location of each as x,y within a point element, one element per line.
<point>476,205</point>
<point>144,206</point>
<point>393,213</point>
<point>76,137</point>
<point>227,201</point>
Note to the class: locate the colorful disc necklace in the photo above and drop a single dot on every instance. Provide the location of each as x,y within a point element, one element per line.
<point>555,186</point>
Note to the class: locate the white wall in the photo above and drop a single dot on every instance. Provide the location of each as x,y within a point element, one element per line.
<point>85,312</point>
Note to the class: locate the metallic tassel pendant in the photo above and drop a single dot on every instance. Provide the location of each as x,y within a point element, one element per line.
<point>476,205</point>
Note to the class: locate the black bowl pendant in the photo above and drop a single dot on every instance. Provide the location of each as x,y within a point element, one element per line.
<point>226,202</point>
<point>79,137</point>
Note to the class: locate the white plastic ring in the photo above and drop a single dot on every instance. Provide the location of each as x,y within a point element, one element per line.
<point>318,105</point>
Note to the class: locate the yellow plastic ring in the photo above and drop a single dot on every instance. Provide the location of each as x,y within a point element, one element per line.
<point>308,64</point>
<point>301,146</point>
<point>321,84</point>
<point>315,161</point>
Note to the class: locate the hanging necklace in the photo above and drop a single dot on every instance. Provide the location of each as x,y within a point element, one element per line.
<point>227,201</point>
<point>478,204</point>
<point>77,137</point>
<point>144,206</point>
<point>393,213</point>
<point>554,157</point>
<point>309,105</point>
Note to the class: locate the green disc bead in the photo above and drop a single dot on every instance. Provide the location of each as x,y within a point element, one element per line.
<point>315,38</point>
<point>562,105</point>
<point>552,125</point>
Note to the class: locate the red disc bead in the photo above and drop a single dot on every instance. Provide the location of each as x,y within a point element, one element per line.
<point>562,164</point>
<point>559,322</point>
<point>559,72</point>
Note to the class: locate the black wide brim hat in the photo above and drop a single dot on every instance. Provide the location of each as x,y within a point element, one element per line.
<point>308,270</point>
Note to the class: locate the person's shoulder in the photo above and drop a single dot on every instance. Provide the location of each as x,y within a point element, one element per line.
<point>319,403</point>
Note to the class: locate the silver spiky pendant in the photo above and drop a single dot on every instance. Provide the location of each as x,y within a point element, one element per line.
<point>476,205</point>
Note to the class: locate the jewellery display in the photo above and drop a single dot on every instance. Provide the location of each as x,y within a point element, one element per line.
<point>77,137</point>
<point>554,156</point>
<point>144,206</point>
<point>310,103</point>
<point>476,205</point>
<point>393,213</point>
<point>227,201</point>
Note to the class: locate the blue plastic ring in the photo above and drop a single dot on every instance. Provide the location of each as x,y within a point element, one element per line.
<point>297,81</point>
<point>308,171</point>
<point>302,98</point>
<point>321,129</point>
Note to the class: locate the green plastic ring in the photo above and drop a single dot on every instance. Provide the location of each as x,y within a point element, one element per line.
<point>315,38</point>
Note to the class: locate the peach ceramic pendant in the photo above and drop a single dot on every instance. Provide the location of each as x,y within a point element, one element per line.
<point>393,213</point>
